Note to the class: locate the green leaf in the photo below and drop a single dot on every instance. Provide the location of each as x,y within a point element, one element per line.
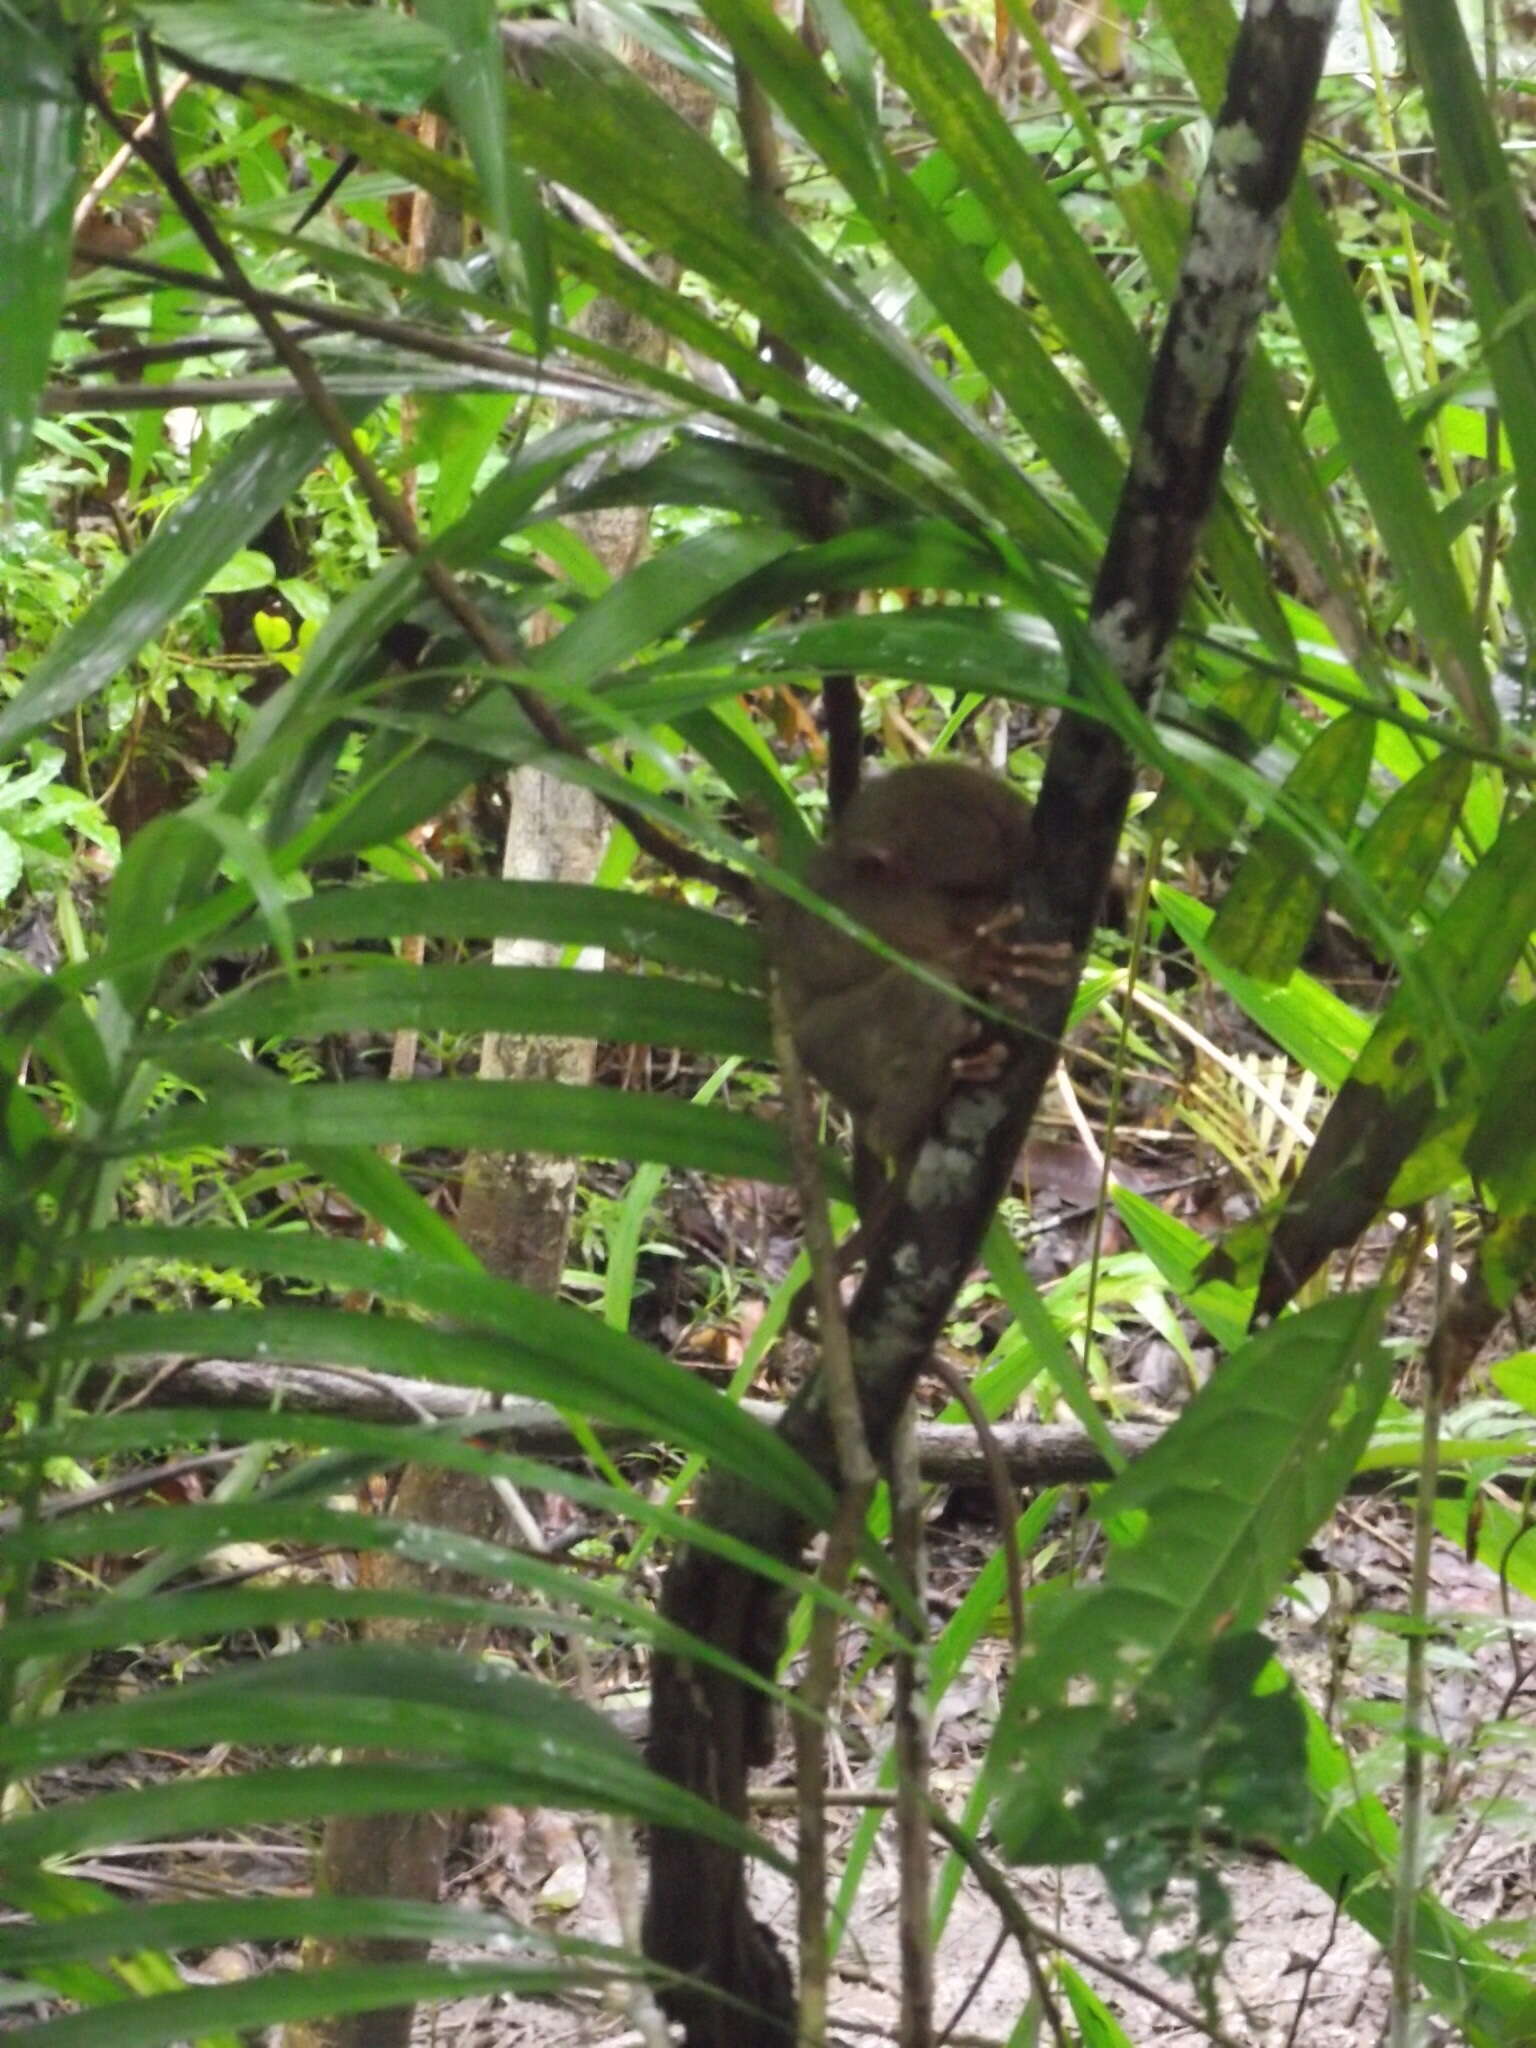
<point>1409,1065</point>
<point>1254,1463</point>
<point>507,1339</point>
<point>1179,1254</point>
<point>1382,453</point>
<point>903,548</point>
<point>1048,1345</point>
<point>169,863</point>
<point>759,484</point>
<point>367,1695</point>
<point>1096,2024</point>
<point>1352,1853</point>
<point>252,1798</point>
<point>1059,267</point>
<point>554,1002</point>
<point>349,642</point>
<point>564,913</point>
<point>583,1606</point>
<point>97,1925</point>
<point>1492,244</point>
<point>1515,1379</point>
<point>378,1189</point>
<point>656,599</point>
<point>503,1116</point>
<point>138,1974</point>
<point>1006,653</point>
<point>475,91</point>
<point>459,432</point>
<point>1401,852</point>
<point>1277,895</point>
<point>41,122</point>
<point>172,1617</point>
<point>59,1023</point>
<point>1502,1148</point>
<point>360,54</point>
<point>1222,1502</point>
<point>278,1997</point>
<point>287,1512</point>
<point>198,1530</point>
<point>585,121</point>
<point>1004,346</point>
<point>1205,1746</point>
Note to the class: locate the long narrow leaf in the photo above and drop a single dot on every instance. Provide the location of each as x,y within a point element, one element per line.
<point>555,1002</point>
<point>1493,246</point>
<point>41,120</point>
<point>505,1116</point>
<point>564,913</point>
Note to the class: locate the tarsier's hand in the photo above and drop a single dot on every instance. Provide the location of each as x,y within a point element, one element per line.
<point>1008,967</point>
<point>1006,971</point>
<point>985,1062</point>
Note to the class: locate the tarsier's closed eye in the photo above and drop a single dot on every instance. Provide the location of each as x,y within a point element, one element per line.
<point>877,864</point>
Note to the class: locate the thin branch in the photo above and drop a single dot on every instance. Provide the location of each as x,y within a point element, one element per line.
<point>1405,1906</point>
<point>911,1746</point>
<point>65,401</point>
<point>121,158</point>
<point>950,2034</point>
<point>51,1507</point>
<point>856,1468</point>
<point>142,355</point>
<point>817,1688</point>
<point>999,1480</point>
<point>857,1474</point>
<point>1026,1935</point>
<point>397,335</point>
<point>1309,1969</point>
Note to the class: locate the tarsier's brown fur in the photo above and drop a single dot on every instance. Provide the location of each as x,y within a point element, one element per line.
<point>931,859</point>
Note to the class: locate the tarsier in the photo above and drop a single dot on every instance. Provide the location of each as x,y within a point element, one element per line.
<point>931,859</point>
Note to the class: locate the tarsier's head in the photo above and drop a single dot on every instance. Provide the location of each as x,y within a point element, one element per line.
<point>938,826</point>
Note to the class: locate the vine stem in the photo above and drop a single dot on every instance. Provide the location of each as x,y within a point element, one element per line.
<point>856,1471</point>
<point>1438,1354</point>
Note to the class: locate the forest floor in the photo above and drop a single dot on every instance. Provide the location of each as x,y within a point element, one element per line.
<point>1296,1971</point>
